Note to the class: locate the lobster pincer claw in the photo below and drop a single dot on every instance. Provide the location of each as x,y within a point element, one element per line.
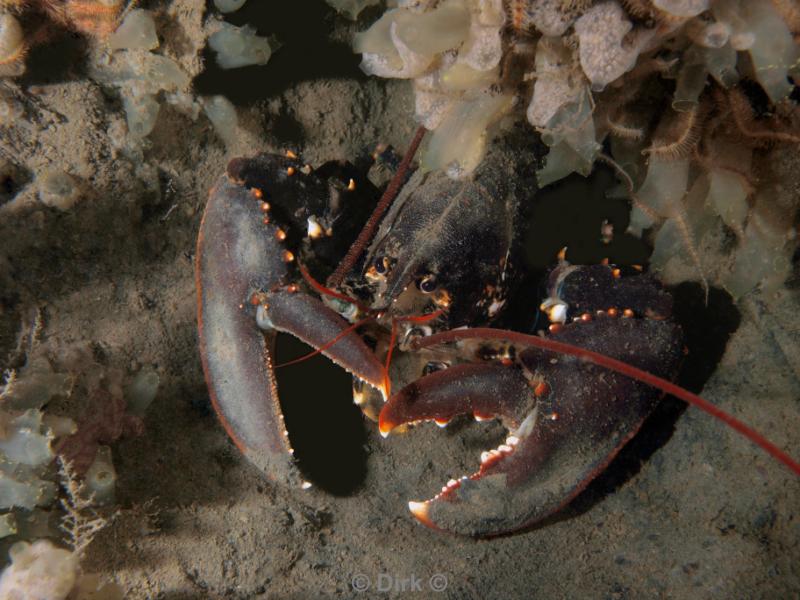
<point>243,280</point>
<point>567,419</point>
<point>238,255</point>
<point>310,320</point>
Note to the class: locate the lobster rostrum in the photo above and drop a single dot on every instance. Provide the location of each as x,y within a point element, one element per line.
<point>423,282</point>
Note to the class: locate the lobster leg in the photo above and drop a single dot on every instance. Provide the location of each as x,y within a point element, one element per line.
<point>241,259</point>
<point>567,420</point>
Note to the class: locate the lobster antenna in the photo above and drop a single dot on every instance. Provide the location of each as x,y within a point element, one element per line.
<point>327,291</point>
<point>383,204</point>
<point>620,367</point>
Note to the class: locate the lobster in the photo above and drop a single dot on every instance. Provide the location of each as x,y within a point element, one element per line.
<point>408,312</point>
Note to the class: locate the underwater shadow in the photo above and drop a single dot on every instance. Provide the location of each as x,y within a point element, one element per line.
<point>62,58</point>
<point>326,429</point>
<point>305,52</point>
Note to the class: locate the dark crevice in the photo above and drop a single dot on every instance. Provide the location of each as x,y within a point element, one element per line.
<point>61,58</point>
<point>306,52</point>
<point>326,429</point>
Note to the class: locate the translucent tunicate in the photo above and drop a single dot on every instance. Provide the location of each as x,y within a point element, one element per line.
<point>713,35</point>
<point>39,571</point>
<point>682,8</point>
<point>403,43</point>
<point>229,6</point>
<point>8,525</point>
<point>163,73</point>
<point>461,77</point>
<point>601,31</point>
<point>59,426</point>
<point>23,444</point>
<point>34,388</point>
<point>239,47</point>
<point>692,78</point>
<point>58,189</point>
<point>665,184</point>
<point>12,38</point>
<point>24,491</point>
<point>773,51</point>
<point>434,31</point>
<point>101,477</point>
<point>142,391</point>
<point>459,143</point>
<point>764,255</point>
<point>141,112</point>
<point>721,65</point>
<point>727,196</point>
<point>686,229</point>
<point>758,28</point>
<point>222,114</point>
<point>138,30</point>
<point>573,140</point>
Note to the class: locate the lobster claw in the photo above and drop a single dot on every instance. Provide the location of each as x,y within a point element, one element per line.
<point>567,420</point>
<point>236,257</point>
<point>242,279</point>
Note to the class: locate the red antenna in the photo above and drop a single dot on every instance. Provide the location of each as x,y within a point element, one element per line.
<point>620,367</point>
<point>386,200</point>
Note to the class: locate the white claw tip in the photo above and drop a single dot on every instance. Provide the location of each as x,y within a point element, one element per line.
<point>306,485</point>
<point>419,510</point>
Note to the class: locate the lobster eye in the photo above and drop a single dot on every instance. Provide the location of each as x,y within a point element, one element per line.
<point>434,366</point>
<point>427,284</point>
<point>382,265</point>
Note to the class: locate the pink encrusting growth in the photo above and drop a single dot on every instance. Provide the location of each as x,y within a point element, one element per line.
<point>620,367</point>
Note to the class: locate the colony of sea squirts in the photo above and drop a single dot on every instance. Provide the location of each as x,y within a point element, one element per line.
<point>683,98</point>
